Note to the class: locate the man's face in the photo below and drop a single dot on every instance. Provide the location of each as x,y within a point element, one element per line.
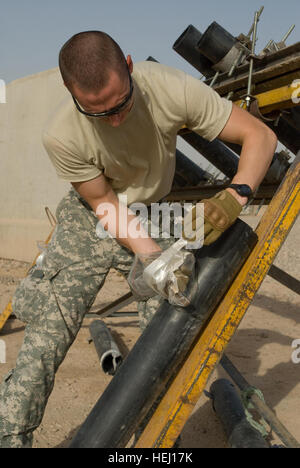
<point>111,96</point>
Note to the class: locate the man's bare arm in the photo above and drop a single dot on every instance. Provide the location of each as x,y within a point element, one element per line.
<point>98,191</point>
<point>258,146</point>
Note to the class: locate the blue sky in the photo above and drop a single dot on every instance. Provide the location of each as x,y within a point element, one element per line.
<point>32,31</point>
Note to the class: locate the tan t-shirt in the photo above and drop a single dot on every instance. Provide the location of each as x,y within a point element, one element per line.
<point>138,157</point>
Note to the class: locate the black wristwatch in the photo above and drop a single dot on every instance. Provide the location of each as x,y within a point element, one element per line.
<point>242,189</point>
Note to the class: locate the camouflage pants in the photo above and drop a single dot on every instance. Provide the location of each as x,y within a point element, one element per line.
<point>53,306</point>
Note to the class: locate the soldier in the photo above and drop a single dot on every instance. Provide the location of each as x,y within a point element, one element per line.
<point>114,135</point>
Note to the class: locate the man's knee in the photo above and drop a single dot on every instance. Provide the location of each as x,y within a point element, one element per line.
<point>29,299</point>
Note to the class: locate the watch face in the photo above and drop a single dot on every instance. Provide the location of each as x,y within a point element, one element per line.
<point>242,189</point>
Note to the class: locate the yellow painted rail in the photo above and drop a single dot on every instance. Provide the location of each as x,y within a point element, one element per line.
<point>276,99</point>
<point>174,409</point>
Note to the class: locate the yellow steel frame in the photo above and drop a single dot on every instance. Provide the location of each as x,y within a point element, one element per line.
<point>174,409</point>
<point>5,315</point>
<point>276,99</point>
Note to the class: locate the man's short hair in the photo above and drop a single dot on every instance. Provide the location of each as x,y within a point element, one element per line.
<point>87,59</point>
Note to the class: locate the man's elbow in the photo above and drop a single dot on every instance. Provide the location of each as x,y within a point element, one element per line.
<point>271,139</point>
<point>265,137</point>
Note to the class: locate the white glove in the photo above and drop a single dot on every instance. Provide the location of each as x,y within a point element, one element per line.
<point>166,274</point>
<point>138,286</point>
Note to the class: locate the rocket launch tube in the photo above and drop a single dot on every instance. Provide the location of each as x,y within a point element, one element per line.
<point>156,357</point>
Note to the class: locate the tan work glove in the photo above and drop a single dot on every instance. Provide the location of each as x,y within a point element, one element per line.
<point>220,212</point>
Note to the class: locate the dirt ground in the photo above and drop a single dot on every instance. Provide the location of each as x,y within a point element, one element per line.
<point>261,350</point>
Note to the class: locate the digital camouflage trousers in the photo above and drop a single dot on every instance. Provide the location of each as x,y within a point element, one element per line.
<point>52,302</point>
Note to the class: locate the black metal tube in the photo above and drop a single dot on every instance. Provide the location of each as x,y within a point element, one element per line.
<point>224,159</point>
<point>108,352</point>
<point>158,353</point>
<point>293,117</point>
<point>287,134</point>
<point>259,404</point>
<point>230,410</point>
<point>215,42</point>
<point>216,152</point>
<point>186,45</point>
<point>187,172</point>
<point>284,278</point>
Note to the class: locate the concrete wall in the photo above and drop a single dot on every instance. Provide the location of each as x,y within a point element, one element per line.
<point>28,182</point>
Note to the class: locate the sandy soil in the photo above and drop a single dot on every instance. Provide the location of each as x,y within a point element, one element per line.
<point>261,349</point>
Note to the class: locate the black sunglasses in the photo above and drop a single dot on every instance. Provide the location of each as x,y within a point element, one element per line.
<point>115,110</point>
